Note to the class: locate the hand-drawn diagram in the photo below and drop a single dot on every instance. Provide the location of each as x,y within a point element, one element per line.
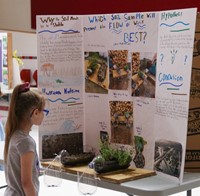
<point>47,69</point>
<point>60,58</point>
<point>173,55</point>
<point>69,126</point>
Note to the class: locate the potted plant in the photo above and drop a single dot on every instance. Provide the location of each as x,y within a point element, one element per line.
<point>111,158</point>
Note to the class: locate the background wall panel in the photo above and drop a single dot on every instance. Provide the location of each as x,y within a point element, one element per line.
<point>75,7</point>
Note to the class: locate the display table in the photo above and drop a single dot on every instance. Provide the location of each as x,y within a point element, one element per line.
<point>69,187</point>
<point>66,188</point>
<point>154,185</point>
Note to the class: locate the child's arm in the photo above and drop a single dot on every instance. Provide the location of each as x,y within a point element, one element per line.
<point>26,173</point>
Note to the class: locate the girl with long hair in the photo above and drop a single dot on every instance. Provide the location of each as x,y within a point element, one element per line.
<point>20,156</point>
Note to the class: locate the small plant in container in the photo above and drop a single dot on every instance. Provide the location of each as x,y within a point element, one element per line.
<point>111,158</point>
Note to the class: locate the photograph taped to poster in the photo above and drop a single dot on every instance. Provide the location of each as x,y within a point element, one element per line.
<point>140,56</point>
<point>96,72</point>
<point>168,157</point>
<point>143,74</point>
<point>121,122</point>
<point>54,144</point>
<point>119,69</point>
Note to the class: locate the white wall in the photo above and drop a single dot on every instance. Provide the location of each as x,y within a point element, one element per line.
<point>15,15</point>
<point>26,45</point>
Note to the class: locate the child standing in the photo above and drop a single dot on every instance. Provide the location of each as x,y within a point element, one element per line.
<point>20,156</point>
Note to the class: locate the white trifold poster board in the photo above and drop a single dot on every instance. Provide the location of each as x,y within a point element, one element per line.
<point>125,75</point>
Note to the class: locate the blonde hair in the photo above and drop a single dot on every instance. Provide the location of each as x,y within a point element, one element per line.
<point>22,102</point>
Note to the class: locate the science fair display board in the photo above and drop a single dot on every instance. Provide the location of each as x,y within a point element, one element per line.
<point>126,76</point>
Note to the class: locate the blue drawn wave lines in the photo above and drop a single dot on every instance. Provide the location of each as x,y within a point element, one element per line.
<point>59,99</point>
<point>140,27</point>
<point>68,31</point>
<point>176,23</point>
<point>116,31</point>
<point>176,85</point>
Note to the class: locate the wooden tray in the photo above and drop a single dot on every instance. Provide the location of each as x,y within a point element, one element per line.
<point>117,177</point>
